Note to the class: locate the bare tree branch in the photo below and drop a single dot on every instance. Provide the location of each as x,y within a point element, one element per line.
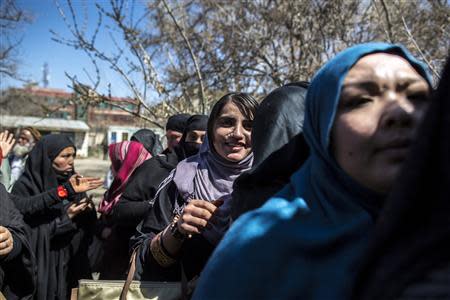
<point>411,38</point>
<point>194,59</point>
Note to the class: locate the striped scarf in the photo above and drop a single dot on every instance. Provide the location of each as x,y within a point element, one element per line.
<point>125,157</point>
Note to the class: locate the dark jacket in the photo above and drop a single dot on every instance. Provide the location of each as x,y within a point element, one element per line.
<point>193,255</point>
<point>17,269</point>
<point>133,206</point>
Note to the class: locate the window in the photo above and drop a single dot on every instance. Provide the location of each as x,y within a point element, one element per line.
<point>113,137</point>
<point>124,136</point>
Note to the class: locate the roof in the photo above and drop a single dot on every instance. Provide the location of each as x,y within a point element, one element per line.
<point>60,93</point>
<point>52,124</point>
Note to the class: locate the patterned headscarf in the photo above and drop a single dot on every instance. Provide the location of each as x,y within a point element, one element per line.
<point>125,157</point>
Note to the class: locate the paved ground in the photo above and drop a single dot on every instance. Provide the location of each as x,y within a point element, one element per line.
<point>95,167</point>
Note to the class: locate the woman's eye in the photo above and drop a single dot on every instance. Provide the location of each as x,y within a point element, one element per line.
<point>355,102</point>
<point>227,122</point>
<point>248,125</point>
<point>418,97</point>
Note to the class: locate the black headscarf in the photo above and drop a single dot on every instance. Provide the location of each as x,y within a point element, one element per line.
<point>149,139</point>
<point>412,234</point>
<point>17,272</point>
<point>279,118</point>
<point>277,137</point>
<point>177,122</point>
<point>185,149</point>
<point>39,175</point>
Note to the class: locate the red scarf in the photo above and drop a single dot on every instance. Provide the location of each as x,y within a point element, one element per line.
<point>125,158</point>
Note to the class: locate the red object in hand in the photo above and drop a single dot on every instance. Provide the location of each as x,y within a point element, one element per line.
<point>62,192</point>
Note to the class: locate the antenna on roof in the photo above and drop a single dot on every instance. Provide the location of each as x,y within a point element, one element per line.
<point>45,75</point>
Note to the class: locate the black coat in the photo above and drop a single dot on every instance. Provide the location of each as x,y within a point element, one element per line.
<point>133,206</point>
<point>193,255</point>
<point>141,188</point>
<point>17,269</point>
<point>60,244</point>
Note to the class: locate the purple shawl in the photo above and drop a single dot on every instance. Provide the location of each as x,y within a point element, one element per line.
<point>208,176</point>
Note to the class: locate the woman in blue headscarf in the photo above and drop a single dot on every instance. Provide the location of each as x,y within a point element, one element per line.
<point>362,111</point>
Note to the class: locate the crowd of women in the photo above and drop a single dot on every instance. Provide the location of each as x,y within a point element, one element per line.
<point>337,189</point>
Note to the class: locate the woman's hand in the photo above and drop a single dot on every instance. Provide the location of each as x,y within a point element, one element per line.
<point>6,142</point>
<point>82,184</point>
<point>6,241</point>
<point>196,216</point>
<point>78,207</point>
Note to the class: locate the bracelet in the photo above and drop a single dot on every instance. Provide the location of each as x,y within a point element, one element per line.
<point>158,253</point>
<point>176,233</point>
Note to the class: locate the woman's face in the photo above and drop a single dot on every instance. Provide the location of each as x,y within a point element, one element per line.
<point>173,138</point>
<point>383,100</point>
<point>232,134</point>
<point>63,163</point>
<point>195,136</point>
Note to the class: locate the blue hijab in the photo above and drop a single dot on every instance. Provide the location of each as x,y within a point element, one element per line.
<point>305,242</point>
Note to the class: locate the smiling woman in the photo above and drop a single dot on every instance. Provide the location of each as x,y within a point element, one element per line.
<point>199,189</point>
<point>231,129</point>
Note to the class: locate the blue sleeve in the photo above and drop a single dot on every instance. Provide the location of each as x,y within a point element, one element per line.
<point>230,272</point>
<point>253,259</point>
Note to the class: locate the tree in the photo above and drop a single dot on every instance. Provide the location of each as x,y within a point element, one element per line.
<point>188,53</point>
<point>11,19</point>
<point>127,62</point>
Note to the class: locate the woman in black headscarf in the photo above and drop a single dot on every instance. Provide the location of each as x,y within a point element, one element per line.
<point>149,140</point>
<point>17,269</point>
<point>174,130</point>
<point>62,233</point>
<point>277,136</point>
<point>409,254</point>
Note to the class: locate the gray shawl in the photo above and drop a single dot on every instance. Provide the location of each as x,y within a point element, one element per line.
<point>210,177</point>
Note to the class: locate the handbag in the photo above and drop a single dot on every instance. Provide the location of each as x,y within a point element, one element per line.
<point>128,289</point>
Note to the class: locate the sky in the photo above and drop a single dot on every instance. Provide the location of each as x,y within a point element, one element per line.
<point>38,48</point>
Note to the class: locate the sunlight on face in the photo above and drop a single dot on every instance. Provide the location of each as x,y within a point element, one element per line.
<point>382,102</point>
<point>63,163</point>
<point>232,134</point>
